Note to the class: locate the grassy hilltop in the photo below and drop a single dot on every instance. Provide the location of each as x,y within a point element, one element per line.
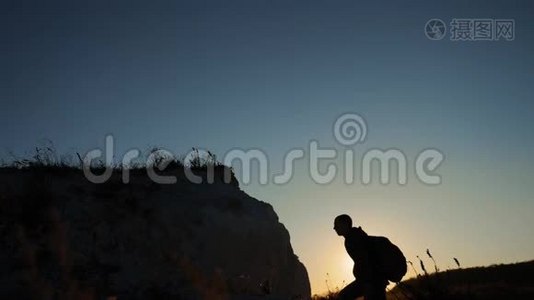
<point>495,282</point>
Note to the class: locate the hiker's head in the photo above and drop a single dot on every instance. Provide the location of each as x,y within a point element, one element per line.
<point>342,224</point>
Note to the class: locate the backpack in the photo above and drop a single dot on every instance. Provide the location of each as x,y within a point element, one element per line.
<point>389,258</point>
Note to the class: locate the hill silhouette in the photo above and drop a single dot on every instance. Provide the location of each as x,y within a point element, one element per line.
<point>503,281</point>
<point>63,236</point>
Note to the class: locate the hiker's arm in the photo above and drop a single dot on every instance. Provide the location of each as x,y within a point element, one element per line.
<point>362,267</point>
<point>368,268</point>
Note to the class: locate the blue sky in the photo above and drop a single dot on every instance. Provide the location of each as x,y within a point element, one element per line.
<point>274,75</point>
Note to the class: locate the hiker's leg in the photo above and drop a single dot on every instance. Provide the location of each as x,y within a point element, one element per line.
<point>351,291</point>
<point>375,291</point>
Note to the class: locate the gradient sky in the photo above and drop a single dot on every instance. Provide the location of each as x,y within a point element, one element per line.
<point>274,75</point>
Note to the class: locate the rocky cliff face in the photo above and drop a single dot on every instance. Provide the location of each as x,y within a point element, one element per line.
<point>63,237</point>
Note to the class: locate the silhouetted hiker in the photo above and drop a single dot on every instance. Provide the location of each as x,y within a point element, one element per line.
<point>370,281</point>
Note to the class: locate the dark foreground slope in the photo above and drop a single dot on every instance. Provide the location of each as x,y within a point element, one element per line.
<point>63,237</point>
<point>502,282</point>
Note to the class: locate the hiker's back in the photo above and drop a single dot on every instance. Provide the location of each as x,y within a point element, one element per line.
<point>389,259</point>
